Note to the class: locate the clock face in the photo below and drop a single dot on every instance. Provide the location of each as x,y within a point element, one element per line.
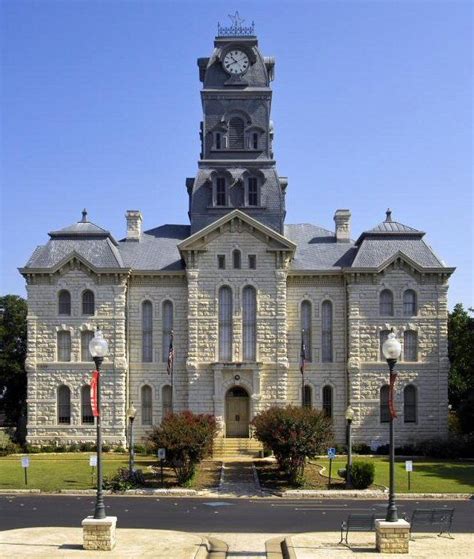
<point>236,62</point>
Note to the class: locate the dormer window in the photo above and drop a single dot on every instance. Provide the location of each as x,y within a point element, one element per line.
<point>255,140</point>
<point>236,133</point>
<point>252,191</point>
<point>221,192</point>
<point>220,140</point>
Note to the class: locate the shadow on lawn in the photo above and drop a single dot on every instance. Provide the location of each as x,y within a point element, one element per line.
<point>460,473</point>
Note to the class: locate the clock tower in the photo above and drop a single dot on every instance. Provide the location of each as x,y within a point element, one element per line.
<point>236,166</point>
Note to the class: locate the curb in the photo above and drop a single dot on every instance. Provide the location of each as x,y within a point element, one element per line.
<point>274,548</point>
<point>288,549</point>
<point>216,549</point>
<point>366,494</point>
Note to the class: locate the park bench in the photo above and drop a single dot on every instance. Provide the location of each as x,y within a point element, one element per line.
<point>357,523</point>
<point>442,518</point>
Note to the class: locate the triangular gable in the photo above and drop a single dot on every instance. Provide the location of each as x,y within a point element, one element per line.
<point>409,261</point>
<point>73,255</point>
<point>201,238</point>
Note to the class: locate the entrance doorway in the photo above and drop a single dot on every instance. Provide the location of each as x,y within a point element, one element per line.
<point>237,412</point>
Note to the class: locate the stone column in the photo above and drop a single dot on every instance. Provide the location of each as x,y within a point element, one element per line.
<point>99,534</point>
<point>392,537</point>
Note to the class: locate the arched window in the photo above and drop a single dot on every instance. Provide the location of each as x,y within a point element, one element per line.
<point>225,324</point>
<point>88,302</point>
<point>64,346</point>
<point>167,326</point>
<point>86,407</point>
<point>147,332</point>
<point>307,397</point>
<point>383,336</point>
<point>386,303</point>
<point>147,405</point>
<point>252,191</point>
<point>326,316</point>
<point>236,259</point>
<point>86,337</point>
<point>64,405</point>
<point>221,192</point>
<point>409,404</point>
<point>64,303</point>
<point>167,400</point>
<point>236,133</point>
<point>410,346</point>
<point>384,409</point>
<point>327,400</point>
<point>409,303</point>
<point>306,328</point>
<point>249,323</point>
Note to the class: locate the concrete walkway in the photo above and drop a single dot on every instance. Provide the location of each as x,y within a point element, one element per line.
<point>323,545</point>
<point>239,479</point>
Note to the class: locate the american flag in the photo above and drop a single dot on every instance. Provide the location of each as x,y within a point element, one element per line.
<point>170,364</point>
<point>302,353</point>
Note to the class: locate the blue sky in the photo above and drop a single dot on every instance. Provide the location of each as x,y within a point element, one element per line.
<point>372,109</point>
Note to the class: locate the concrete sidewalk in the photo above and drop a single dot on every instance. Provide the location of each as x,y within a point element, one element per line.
<point>67,542</point>
<point>323,545</point>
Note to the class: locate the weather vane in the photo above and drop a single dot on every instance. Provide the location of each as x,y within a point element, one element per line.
<point>236,28</point>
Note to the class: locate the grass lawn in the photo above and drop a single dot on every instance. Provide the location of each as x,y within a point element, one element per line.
<point>428,476</point>
<point>51,472</point>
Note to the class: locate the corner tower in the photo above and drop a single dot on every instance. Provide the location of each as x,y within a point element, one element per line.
<point>236,166</point>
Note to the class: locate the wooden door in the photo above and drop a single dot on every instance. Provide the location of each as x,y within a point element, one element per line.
<point>237,416</point>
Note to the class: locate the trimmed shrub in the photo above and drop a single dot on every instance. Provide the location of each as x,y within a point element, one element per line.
<point>361,448</point>
<point>187,438</point>
<point>293,434</point>
<point>362,474</point>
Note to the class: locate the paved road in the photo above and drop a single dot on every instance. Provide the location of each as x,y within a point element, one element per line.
<point>210,515</point>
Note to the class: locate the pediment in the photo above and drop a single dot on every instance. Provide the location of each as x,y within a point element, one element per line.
<point>402,259</point>
<point>237,221</point>
<point>73,260</point>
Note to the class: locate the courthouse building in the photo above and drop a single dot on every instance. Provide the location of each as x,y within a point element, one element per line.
<point>238,286</point>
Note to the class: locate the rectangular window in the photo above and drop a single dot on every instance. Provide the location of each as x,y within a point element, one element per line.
<point>220,192</point>
<point>86,337</point>
<point>221,261</point>
<point>410,351</point>
<point>218,140</point>
<point>252,191</point>
<point>64,346</point>
<point>255,140</point>
<point>252,262</point>
<point>383,337</point>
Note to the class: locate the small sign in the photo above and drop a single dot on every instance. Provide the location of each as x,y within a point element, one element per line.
<point>162,453</point>
<point>374,446</point>
<point>409,465</point>
<point>331,453</point>
<point>25,461</point>
<point>93,461</point>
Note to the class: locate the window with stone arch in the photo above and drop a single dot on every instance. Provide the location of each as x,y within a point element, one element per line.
<point>384,408</point>
<point>64,345</point>
<point>410,398</point>
<point>64,303</point>
<point>249,323</point>
<point>307,396</point>
<point>167,327</point>
<point>86,337</point>
<point>147,332</point>
<point>326,332</point>
<point>236,133</point>
<point>86,407</point>
<point>88,302</point>
<point>237,259</point>
<point>147,405</point>
<point>306,312</point>
<point>166,400</point>
<point>225,323</point>
<point>386,303</point>
<point>410,346</point>
<point>64,405</point>
<point>409,303</point>
<point>328,400</point>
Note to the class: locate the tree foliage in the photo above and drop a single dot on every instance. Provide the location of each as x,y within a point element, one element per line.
<point>293,434</point>
<point>12,359</point>
<point>461,356</point>
<point>187,438</point>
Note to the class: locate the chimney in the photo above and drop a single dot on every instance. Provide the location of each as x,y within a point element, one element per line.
<point>134,225</point>
<point>343,226</point>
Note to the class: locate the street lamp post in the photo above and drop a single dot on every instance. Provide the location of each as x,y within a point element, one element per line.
<point>349,418</point>
<point>99,349</point>
<point>131,412</point>
<point>391,350</point>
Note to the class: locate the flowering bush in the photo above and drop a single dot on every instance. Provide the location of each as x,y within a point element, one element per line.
<point>187,438</point>
<point>293,434</point>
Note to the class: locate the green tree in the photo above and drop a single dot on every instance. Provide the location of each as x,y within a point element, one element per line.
<point>461,356</point>
<point>12,360</point>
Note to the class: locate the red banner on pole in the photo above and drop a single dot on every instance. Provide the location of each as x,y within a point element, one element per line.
<point>391,403</point>
<point>94,384</point>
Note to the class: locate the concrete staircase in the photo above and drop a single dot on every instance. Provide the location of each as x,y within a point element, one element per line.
<point>226,448</point>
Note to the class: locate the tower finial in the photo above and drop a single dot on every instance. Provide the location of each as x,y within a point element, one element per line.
<point>84,216</point>
<point>388,213</point>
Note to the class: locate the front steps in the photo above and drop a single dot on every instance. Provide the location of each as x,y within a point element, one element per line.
<point>226,448</point>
